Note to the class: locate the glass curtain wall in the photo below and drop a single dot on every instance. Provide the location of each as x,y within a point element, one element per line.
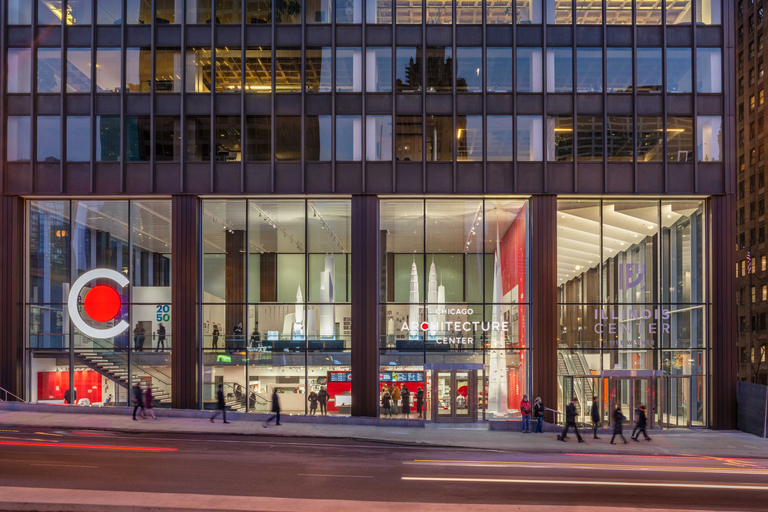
<point>454,296</point>
<point>276,303</point>
<point>72,355</point>
<point>632,303</point>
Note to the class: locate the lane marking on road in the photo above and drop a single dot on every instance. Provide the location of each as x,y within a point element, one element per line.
<point>545,465</point>
<point>92,446</point>
<point>599,483</point>
<point>53,464</point>
<point>47,434</point>
<point>625,456</point>
<point>334,476</point>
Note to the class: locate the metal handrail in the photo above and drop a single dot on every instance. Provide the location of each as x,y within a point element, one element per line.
<point>135,362</point>
<point>6,393</point>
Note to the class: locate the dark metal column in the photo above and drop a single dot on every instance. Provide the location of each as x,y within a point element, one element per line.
<point>185,274</point>
<point>723,339</point>
<point>12,294</point>
<point>365,305</point>
<point>543,299</point>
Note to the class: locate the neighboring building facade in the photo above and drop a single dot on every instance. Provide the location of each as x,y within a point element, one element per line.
<point>468,201</point>
<point>752,288</point>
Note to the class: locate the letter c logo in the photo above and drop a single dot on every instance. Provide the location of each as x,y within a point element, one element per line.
<point>101,303</point>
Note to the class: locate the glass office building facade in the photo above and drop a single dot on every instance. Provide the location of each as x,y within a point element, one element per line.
<point>470,201</point>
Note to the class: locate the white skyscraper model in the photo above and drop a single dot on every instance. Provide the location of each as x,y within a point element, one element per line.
<point>413,298</point>
<point>432,300</point>
<point>298,315</point>
<point>327,296</point>
<point>497,380</point>
<point>440,307</point>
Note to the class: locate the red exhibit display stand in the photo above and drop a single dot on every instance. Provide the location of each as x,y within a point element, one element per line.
<point>340,383</point>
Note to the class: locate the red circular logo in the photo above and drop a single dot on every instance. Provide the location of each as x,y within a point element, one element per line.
<point>102,303</point>
<point>424,326</point>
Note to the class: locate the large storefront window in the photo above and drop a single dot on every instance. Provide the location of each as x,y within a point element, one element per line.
<point>276,304</point>
<point>120,328</point>
<point>453,308</point>
<point>632,309</point>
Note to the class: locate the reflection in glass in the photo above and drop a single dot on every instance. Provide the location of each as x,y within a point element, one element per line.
<point>499,130</point>
<point>469,12</point>
<point>319,11</point>
<point>78,139</point>
<point>168,68</point>
<point>169,11</point>
<point>378,138</point>
<point>108,70</point>
<point>107,138</point>
<point>19,76</point>
<point>528,12</point>
<point>559,12</point>
<point>708,12</point>
<point>349,11</point>
<point>349,145</point>
<point>138,69</point>
<point>469,135</point>
<point>650,139</point>
<point>410,11</point>
<point>49,251</point>
<point>138,138</point>
<point>529,71</point>
<point>199,11</point>
<point>318,133</point>
<point>529,139</point>
<point>560,139</point>
<point>378,11</point>
<point>408,67</point>
<point>649,70</point>
<point>288,138</point>
<point>439,138</point>
<point>288,70</point>
<point>618,69</point>
<point>198,138</point>
<point>618,13</point>
<point>708,70</point>
<point>199,74</point>
<point>679,70</point>
<point>590,12</point>
<point>228,11</point>
<point>349,74</point>
<point>647,13</point>
<point>19,12</point>
<point>682,252</point>
<point>48,138</point>
<point>79,12</point>
<point>108,12</point>
<point>469,69</point>
<point>258,69</point>
<point>318,69</point>
<point>48,12</point>
<point>167,138</point>
<point>48,70</point>
<point>589,137</point>
<point>499,72</point>
<point>559,69</point>
<point>439,69</point>
<point>378,76</point>
<point>258,11</point>
<point>227,138</point>
<point>709,138</point>
<point>678,12</point>
<point>679,139</point>
<point>228,69</point>
<point>589,70</point>
<point>408,138</point>
<point>18,139</point>
<point>288,11</point>
<point>620,144</point>
<point>258,131</point>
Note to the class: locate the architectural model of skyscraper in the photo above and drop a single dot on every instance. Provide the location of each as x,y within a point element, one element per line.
<point>440,327</point>
<point>298,318</point>
<point>327,296</point>
<point>497,378</point>
<point>432,300</point>
<point>413,299</point>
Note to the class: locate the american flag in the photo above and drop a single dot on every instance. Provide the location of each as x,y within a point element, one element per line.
<point>749,260</point>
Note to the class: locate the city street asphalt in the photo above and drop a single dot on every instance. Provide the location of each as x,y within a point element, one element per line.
<point>72,469</point>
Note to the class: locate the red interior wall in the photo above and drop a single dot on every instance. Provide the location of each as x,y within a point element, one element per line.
<point>52,385</point>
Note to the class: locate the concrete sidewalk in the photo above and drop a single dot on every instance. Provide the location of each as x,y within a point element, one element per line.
<point>706,443</point>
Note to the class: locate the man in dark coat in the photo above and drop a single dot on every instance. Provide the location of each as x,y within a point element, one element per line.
<point>70,396</point>
<point>160,338</point>
<point>419,401</point>
<point>595,413</point>
<point>570,421</point>
<point>275,409</point>
<point>642,423</point>
<point>220,405</point>
<point>322,399</point>
<point>137,399</point>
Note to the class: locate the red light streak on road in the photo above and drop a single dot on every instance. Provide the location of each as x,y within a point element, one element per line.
<point>93,447</point>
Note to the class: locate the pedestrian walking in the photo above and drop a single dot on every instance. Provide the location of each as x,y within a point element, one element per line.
<point>160,338</point>
<point>386,402</point>
<point>275,409</point>
<point>312,397</point>
<point>642,423</point>
<point>570,421</point>
<point>322,399</point>
<point>419,401</point>
<point>525,410</point>
<point>595,413</point>
<point>395,398</point>
<point>406,398</point>
<point>215,336</point>
<point>538,414</point>
<point>618,419</point>
<point>220,405</point>
<point>137,399</point>
<point>148,401</point>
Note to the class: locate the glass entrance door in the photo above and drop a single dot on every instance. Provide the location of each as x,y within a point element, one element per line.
<point>675,402</point>
<point>454,396</point>
<point>629,393</point>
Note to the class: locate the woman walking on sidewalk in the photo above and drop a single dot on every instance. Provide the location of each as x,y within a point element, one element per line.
<point>618,418</point>
<point>148,401</point>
